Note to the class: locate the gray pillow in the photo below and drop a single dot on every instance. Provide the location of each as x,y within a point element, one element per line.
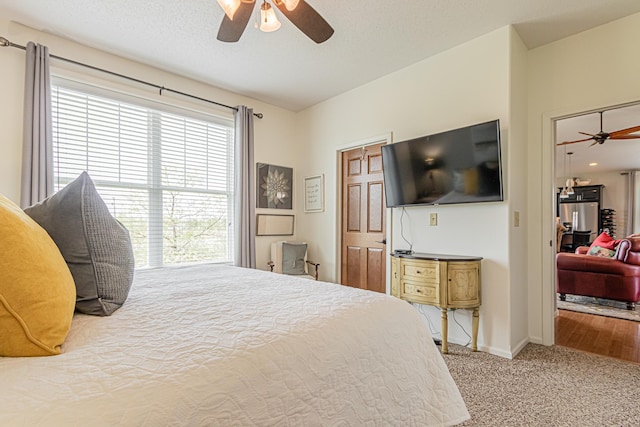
<point>293,258</point>
<point>95,245</point>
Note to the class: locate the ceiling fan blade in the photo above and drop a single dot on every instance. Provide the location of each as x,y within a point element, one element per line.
<point>231,30</point>
<point>584,133</point>
<point>573,142</point>
<point>625,137</point>
<point>624,131</point>
<point>307,20</point>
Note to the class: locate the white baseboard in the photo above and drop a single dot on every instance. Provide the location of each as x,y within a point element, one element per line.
<point>535,340</point>
<point>517,349</point>
<point>495,351</point>
<point>486,349</point>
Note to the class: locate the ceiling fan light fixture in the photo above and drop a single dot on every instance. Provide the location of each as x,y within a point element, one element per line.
<point>569,187</point>
<point>569,183</point>
<point>229,6</point>
<point>303,16</point>
<point>291,4</point>
<point>268,19</point>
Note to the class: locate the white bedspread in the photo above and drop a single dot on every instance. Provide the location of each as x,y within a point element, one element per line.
<point>212,345</point>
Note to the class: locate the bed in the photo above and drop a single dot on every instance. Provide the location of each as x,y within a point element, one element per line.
<point>219,345</point>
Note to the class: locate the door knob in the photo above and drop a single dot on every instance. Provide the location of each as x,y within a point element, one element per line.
<point>383,241</point>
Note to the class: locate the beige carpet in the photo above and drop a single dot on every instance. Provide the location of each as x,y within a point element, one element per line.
<point>546,386</point>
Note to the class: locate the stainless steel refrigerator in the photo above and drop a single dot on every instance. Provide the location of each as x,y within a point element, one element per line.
<point>582,216</point>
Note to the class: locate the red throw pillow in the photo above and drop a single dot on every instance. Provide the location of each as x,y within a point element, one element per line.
<point>604,241</point>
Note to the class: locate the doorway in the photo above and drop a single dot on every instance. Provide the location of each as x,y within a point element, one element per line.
<point>589,160</point>
<point>363,261</point>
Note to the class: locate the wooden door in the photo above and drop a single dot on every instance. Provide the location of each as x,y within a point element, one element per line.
<point>363,219</point>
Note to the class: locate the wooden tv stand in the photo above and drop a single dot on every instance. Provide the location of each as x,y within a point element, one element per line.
<point>444,281</point>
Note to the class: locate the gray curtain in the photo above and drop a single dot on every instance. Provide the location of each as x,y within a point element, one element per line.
<point>37,156</point>
<point>245,190</point>
<point>631,201</point>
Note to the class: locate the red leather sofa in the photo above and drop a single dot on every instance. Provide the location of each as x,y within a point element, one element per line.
<point>616,278</point>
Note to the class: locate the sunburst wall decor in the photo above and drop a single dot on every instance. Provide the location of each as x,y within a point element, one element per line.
<point>274,186</point>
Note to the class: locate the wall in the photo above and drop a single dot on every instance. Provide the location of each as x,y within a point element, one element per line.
<point>465,85</point>
<point>275,135</point>
<point>517,166</point>
<point>594,69</point>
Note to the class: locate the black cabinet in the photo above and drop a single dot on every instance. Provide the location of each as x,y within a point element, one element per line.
<point>585,193</point>
<point>588,194</point>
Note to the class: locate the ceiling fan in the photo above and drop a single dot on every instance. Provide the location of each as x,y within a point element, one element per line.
<point>303,16</point>
<point>601,137</point>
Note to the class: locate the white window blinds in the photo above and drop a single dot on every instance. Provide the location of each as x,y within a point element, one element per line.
<point>167,176</point>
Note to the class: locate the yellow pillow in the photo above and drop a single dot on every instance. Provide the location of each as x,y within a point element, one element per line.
<point>37,293</point>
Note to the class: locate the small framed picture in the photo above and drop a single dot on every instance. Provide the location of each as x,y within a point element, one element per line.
<point>274,225</point>
<point>314,193</point>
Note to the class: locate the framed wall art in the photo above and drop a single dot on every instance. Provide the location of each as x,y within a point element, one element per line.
<point>314,193</point>
<point>274,186</point>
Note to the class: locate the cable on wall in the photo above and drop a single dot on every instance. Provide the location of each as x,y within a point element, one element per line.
<point>461,327</point>
<point>402,229</point>
<point>6,43</point>
<point>418,307</point>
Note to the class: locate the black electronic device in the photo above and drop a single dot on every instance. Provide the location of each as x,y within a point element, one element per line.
<point>403,251</point>
<point>457,166</point>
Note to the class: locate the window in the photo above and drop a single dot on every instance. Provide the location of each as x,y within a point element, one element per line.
<point>165,173</point>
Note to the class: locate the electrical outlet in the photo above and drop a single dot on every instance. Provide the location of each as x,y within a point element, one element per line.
<point>516,218</point>
<point>433,219</point>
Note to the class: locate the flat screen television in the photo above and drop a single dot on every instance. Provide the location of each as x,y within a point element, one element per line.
<point>458,166</point>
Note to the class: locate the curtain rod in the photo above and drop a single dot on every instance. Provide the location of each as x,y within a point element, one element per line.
<point>4,43</point>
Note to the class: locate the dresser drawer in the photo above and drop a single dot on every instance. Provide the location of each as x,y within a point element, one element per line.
<point>423,271</point>
<point>428,293</point>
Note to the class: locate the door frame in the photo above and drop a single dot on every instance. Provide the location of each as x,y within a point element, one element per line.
<point>549,275</point>
<point>386,138</point>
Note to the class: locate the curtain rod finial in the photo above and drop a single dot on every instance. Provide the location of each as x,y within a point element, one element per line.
<point>4,42</point>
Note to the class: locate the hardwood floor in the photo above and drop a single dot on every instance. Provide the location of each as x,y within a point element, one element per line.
<point>602,335</point>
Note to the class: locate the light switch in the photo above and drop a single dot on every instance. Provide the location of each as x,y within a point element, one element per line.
<point>433,219</point>
<point>516,218</point>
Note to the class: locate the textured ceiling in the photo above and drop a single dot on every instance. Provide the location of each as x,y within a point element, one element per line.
<point>372,37</point>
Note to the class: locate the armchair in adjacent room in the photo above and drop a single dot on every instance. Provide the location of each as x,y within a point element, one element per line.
<point>291,258</point>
